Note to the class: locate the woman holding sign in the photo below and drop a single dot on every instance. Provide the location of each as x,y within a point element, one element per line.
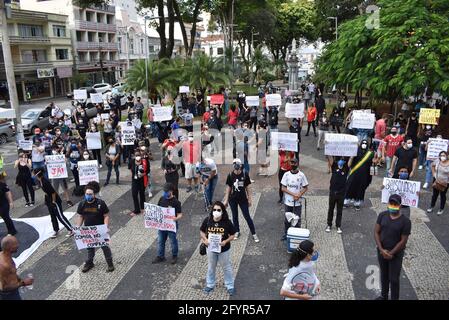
<point>440,170</point>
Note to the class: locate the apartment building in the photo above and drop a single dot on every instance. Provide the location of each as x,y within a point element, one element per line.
<point>41,51</point>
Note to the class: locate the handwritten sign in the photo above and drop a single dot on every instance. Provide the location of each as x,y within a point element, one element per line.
<point>214,242</point>
<point>128,134</point>
<point>339,144</point>
<point>429,116</point>
<point>105,116</point>
<point>273,99</point>
<point>294,110</point>
<point>88,171</point>
<point>435,146</point>
<point>159,218</point>
<point>284,141</point>
<point>363,119</point>
<point>91,237</point>
<point>26,145</point>
<point>252,101</point>
<point>56,166</point>
<point>162,113</point>
<point>93,140</point>
<point>96,98</point>
<point>408,190</point>
<point>184,89</point>
<point>217,99</point>
<point>80,94</point>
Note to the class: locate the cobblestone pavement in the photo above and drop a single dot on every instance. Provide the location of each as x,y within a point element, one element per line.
<point>347,267</point>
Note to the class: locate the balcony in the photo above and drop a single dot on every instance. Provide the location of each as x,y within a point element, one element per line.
<point>29,40</point>
<point>95,64</point>
<point>105,46</point>
<point>20,67</point>
<point>94,26</point>
<point>104,7</point>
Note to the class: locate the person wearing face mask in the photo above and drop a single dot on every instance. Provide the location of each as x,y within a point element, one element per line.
<point>93,212</point>
<point>273,117</point>
<point>262,136</point>
<point>37,156</point>
<point>59,150</point>
<point>238,194</point>
<point>425,133</point>
<point>191,153</point>
<point>406,156</point>
<point>10,282</point>
<point>294,186</point>
<point>412,128</point>
<point>74,155</point>
<point>6,203</point>
<point>218,223</point>
<point>96,152</point>
<point>233,115</point>
<point>207,169</point>
<point>339,177</point>
<point>112,154</point>
<point>168,201</point>
<point>391,235</point>
<point>440,172</point>
<point>147,156</point>
<point>81,127</point>
<point>47,140</point>
<point>24,179</point>
<point>171,170</point>
<point>392,142</point>
<point>139,170</point>
<point>323,127</point>
<point>301,282</point>
<point>359,177</point>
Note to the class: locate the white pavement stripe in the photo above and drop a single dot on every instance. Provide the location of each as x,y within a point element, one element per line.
<point>195,270</point>
<point>97,284</point>
<point>426,262</point>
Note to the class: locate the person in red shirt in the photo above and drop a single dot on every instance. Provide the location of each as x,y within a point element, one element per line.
<point>191,152</point>
<point>284,166</point>
<point>380,132</point>
<point>233,115</point>
<point>311,118</point>
<point>391,143</point>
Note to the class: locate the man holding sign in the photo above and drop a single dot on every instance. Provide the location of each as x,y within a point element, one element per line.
<point>93,212</point>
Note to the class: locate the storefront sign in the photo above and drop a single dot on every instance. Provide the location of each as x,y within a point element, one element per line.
<point>45,73</point>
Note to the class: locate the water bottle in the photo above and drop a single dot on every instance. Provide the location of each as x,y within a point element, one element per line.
<point>30,276</point>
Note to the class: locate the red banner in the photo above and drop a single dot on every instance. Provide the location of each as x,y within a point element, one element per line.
<point>216,99</point>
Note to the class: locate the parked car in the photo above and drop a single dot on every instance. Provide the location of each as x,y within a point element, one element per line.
<point>35,118</point>
<point>102,87</point>
<point>7,130</point>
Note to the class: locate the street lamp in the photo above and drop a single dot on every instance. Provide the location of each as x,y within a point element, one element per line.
<point>146,52</point>
<point>336,26</point>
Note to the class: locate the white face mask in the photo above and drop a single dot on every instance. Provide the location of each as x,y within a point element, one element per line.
<point>443,158</point>
<point>86,156</point>
<point>143,148</point>
<point>217,214</point>
<point>55,152</point>
<point>409,145</point>
<point>364,146</point>
<point>190,139</point>
<point>138,158</point>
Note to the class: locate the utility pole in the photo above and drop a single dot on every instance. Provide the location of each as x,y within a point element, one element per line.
<point>101,61</point>
<point>5,6</point>
<point>253,76</point>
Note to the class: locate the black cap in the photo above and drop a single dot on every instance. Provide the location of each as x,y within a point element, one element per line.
<point>395,198</point>
<point>168,187</point>
<point>306,246</point>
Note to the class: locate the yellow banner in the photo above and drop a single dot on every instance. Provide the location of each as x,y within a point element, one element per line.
<point>429,116</point>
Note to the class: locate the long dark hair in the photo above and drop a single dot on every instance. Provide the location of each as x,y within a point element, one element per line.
<point>304,248</point>
<point>224,215</point>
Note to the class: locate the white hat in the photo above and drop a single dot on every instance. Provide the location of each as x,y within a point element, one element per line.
<point>292,218</point>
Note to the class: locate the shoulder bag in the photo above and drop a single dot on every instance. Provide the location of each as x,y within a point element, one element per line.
<point>438,185</point>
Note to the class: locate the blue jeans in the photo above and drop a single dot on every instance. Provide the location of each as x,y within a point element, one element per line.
<point>429,175</point>
<point>162,238</point>
<point>245,211</point>
<point>246,168</point>
<point>210,188</point>
<point>224,259</point>
<point>387,166</point>
<point>422,155</point>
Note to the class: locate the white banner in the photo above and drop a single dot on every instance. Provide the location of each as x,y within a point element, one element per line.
<point>80,94</point>
<point>91,237</point>
<point>26,145</point>
<point>339,144</point>
<point>105,116</point>
<point>88,171</point>
<point>184,89</point>
<point>93,140</point>
<point>56,166</point>
<point>162,113</point>
<point>273,99</point>
<point>435,146</point>
<point>408,190</point>
<point>159,218</point>
<point>284,141</point>
<point>361,119</point>
<point>6,113</point>
<point>214,242</point>
<point>294,110</point>
<point>252,101</point>
<point>128,134</point>
<point>96,98</point>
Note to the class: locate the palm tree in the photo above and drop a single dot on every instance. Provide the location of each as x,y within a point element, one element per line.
<point>260,62</point>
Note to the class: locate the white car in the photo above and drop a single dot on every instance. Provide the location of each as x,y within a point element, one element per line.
<point>102,87</point>
<point>119,86</point>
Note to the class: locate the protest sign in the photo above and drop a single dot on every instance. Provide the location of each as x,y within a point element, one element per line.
<point>162,113</point>
<point>128,134</point>
<point>88,171</point>
<point>96,98</point>
<point>273,99</point>
<point>435,146</point>
<point>105,116</point>
<point>26,145</point>
<point>80,94</point>
<point>363,119</point>
<point>217,99</point>
<point>159,218</point>
<point>93,140</point>
<point>339,144</point>
<point>252,101</point>
<point>56,166</point>
<point>284,141</point>
<point>184,89</point>
<point>408,190</point>
<point>294,110</point>
<point>429,116</point>
<point>214,242</point>
<point>91,236</point>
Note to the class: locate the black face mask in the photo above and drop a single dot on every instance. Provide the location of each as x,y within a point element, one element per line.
<point>294,168</point>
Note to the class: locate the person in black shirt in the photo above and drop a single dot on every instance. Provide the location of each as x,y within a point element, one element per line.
<point>218,223</point>
<point>93,212</point>
<point>168,201</point>
<point>406,156</point>
<point>139,170</point>
<point>171,170</point>
<point>412,128</point>
<point>391,234</point>
<point>6,204</point>
<point>54,204</point>
<point>237,194</point>
<point>337,188</point>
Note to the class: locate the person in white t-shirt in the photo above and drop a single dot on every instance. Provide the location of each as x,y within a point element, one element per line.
<point>294,186</point>
<point>209,177</point>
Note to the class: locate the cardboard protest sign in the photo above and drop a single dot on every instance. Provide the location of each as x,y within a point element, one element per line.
<point>252,101</point>
<point>91,237</point>
<point>159,218</point>
<point>435,146</point>
<point>429,116</point>
<point>162,113</point>
<point>363,119</point>
<point>93,140</point>
<point>26,145</point>
<point>128,134</point>
<point>294,110</point>
<point>184,89</point>
<point>80,94</point>
<point>216,99</point>
<point>96,98</point>
<point>214,242</point>
<point>284,141</point>
<point>273,99</point>
<point>339,144</point>
<point>88,171</point>
<point>56,166</point>
<point>408,190</point>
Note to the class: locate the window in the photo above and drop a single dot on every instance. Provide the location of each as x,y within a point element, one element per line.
<point>62,54</point>
<point>26,30</point>
<point>79,36</point>
<point>152,48</point>
<point>119,40</point>
<point>211,51</point>
<point>33,56</point>
<point>142,46</point>
<point>90,36</point>
<point>59,31</point>
<point>131,45</point>
<point>219,51</point>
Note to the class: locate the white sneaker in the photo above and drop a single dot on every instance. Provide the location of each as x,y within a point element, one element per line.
<point>54,235</point>
<point>429,210</point>
<point>328,229</point>
<point>236,235</point>
<point>101,166</point>
<point>420,167</point>
<point>72,180</point>
<point>425,186</point>
<point>150,194</point>
<point>252,181</point>
<point>440,212</point>
<point>339,231</point>
<point>256,238</point>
